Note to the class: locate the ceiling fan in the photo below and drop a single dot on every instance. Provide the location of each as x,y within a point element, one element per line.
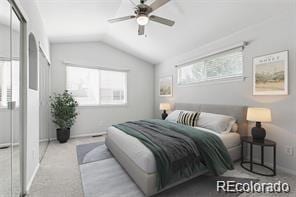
<point>142,15</point>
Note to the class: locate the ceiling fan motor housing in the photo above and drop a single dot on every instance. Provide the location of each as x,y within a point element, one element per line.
<point>142,10</point>
<point>142,15</point>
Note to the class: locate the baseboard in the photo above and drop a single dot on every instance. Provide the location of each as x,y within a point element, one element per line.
<point>17,144</point>
<point>89,134</point>
<point>32,178</point>
<point>286,170</point>
<point>5,145</point>
<point>278,167</point>
<point>44,140</point>
<point>84,135</point>
<point>9,144</point>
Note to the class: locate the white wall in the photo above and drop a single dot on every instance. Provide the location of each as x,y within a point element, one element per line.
<point>35,25</point>
<point>98,118</point>
<point>276,34</point>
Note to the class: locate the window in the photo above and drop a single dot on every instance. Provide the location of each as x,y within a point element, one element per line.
<point>9,89</point>
<point>112,87</point>
<point>221,66</point>
<point>91,86</point>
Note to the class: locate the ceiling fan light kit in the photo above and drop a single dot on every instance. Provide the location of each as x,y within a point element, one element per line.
<point>142,15</point>
<point>142,19</point>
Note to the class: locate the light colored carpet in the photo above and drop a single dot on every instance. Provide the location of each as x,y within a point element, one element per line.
<point>107,178</point>
<point>59,174</point>
<point>102,175</point>
<point>6,173</point>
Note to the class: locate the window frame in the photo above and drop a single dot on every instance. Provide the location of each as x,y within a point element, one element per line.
<point>101,69</point>
<point>207,80</point>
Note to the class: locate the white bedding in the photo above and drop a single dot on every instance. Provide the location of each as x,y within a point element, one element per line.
<point>144,158</point>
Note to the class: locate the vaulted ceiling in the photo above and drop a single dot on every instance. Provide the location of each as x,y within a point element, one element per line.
<point>197,23</point>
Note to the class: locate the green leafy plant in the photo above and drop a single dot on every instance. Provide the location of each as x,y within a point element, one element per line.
<point>63,109</point>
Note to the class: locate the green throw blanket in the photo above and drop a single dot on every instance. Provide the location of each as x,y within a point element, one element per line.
<point>178,149</point>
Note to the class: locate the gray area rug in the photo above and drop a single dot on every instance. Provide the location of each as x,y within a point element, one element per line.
<point>106,178</point>
<point>87,153</point>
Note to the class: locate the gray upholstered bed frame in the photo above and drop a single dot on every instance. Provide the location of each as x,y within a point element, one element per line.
<point>147,181</point>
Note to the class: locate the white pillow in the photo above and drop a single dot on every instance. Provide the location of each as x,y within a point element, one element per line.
<point>216,122</point>
<point>234,128</point>
<point>173,116</point>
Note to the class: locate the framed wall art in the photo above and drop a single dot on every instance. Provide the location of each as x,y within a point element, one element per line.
<point>270,74</point>
<point>166,86</point>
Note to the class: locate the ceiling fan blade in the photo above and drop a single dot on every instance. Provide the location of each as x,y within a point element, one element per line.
<point>141,30</point>
<point>157,4</point>
<point>131,1</point>
<point>162,20</point>
<point>120,19</point>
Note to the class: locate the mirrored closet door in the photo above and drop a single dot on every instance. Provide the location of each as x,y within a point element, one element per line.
<point>44,113</point>
<point>10,102</point>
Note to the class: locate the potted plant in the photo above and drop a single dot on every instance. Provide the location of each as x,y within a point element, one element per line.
<point>63,110</point>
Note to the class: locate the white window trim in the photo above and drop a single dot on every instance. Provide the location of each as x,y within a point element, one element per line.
<point>125,104</point>
<point>103,105</point>
<point>215,81</point>
<point>241,77</point>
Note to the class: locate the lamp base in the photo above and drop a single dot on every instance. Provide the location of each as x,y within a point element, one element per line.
<point>258,132</point>
<point>164,115</point>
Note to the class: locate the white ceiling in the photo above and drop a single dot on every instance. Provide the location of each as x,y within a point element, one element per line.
<point>197,23</point>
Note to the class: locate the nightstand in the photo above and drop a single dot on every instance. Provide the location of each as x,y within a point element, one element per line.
<point>262,144</point>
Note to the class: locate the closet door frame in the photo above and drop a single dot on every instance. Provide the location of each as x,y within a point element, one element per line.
<point>44,79</point>
<point>23,90</point>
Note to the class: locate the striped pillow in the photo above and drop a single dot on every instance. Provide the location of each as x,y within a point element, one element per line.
<point>188,118</point>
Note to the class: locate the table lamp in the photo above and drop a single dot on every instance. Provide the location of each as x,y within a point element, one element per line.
<point>258,115</point>
<point>164,107</point>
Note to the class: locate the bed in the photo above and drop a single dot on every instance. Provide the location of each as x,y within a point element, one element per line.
<point>139,161</point>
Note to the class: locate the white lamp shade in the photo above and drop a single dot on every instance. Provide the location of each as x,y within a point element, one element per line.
<point>259,114</point>
<point>165,106</point>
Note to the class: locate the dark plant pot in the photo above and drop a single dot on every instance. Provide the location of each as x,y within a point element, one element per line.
<point>63,135</point>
